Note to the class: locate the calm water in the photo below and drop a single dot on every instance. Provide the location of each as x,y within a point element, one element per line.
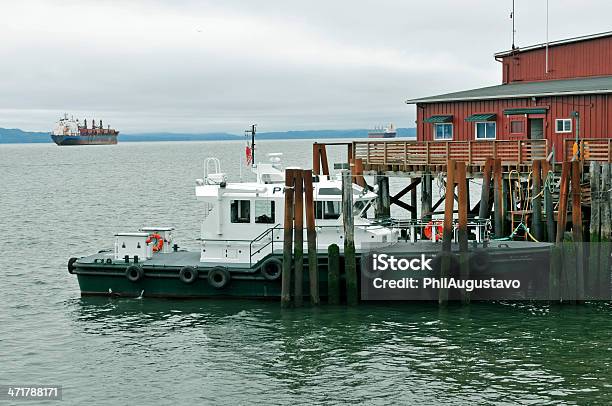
<point>61,202</point>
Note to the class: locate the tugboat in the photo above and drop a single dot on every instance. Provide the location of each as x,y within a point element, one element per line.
<point>241,242</point>
<point>69,131</point>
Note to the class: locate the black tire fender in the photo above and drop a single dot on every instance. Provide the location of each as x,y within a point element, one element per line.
<point>71,267</point>
<point>134,273</point>
<point>188,274</point>
<point>271,269</point>
<point>479,260</point>
<point>218,277</point>
<point>438,259</point>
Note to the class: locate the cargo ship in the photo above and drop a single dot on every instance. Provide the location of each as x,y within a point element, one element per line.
<point>69,131</point>
<point>386,132</point>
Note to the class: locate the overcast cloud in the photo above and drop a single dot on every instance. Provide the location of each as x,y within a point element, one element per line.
<point>202,66</point>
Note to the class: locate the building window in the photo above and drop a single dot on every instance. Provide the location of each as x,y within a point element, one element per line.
<point>443,131</point>
<point>563,125</point>
<point>517,127</point>
<point>240,211</point>
<point>327,210</point>
<point>264,211</point>
<point>485,130</point>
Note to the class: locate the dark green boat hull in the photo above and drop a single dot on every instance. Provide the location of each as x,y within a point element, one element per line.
<point>101,275</point>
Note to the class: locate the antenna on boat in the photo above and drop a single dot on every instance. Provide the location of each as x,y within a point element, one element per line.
<point>546,36</point>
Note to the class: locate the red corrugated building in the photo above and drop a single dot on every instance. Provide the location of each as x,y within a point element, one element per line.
<point>537,98</point>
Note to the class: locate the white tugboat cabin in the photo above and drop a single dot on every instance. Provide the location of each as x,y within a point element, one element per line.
<point>243,222</point>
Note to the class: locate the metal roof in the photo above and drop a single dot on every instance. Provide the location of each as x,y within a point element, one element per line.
<point>481,117</point>
<point>439,119</point>
<point>591,85</point>
<point>525,110</point>
<point>553,43</point>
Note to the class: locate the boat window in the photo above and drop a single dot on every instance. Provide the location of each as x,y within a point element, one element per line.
<point>264,211</point>
<point>327,210</point>
<point>329,191</point>
<point>358,207</point>
<point>240,211</point>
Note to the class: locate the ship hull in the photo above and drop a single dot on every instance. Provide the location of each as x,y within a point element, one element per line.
<point>63,140</point>
<point>101,275</point>
<point>391,135</point>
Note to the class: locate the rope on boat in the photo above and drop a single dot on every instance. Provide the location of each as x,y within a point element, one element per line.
<point>511,236</point>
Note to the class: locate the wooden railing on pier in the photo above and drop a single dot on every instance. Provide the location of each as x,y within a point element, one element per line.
<point>591,149</point>
<point>406,155</point>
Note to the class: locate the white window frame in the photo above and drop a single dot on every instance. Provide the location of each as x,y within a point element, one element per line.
<point>435,132</point>
<point>476,131</point>
<point>564,130</point>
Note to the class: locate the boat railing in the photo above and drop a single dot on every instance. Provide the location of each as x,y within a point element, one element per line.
<point>266,238</point>
<point>481,228</point>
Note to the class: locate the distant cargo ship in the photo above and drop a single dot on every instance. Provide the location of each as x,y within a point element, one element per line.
<point>386,132</point>
<point>69,131</point>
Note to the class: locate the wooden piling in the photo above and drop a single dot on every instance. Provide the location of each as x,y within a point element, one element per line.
<point>350,266</point>
<point>311,234</point>
<point>563,192</point>
<point>536,202</point>
<point>413,200</point>
<point>485,209</point>
<point>499,198</point>
<point>287,240</point>
<point>462,233</point>
<point>447,234</point>
<point>605,230</point>
<point>324,162</point>
<point>577,228</point>
<point>592,272</point>
<point>426,197</point>
<point>359,179</point>
<point>462,193</point>
<point>316,159</point>
<point>298,246</point>
<point>333,274</point>
<point>549,207</point>
<point>383,201</point>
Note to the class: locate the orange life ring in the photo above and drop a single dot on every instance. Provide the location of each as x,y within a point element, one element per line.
<point>431,225</point>
<point>159,241</point>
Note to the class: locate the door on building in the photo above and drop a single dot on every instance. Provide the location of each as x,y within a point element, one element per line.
<point>536,128</point>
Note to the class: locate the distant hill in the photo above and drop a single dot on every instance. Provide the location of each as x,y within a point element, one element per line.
<point>16,136</point>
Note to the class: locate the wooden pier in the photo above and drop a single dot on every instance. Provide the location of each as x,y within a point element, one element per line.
<point>524,194</point>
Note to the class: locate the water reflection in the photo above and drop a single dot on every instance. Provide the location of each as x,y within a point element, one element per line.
<point>489,352</point>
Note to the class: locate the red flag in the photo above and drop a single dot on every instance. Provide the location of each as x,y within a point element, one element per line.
<point>249,155</point>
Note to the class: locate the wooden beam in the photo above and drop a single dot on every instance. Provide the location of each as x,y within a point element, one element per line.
<point>287,240</point>
<point>548,201</point>
<point>536,218</point>
<point>311,235</point>
<point>562,210</point>
<point>298,248</point>
<point>316,159</point>
<point>498,195</point>
<point>350,265</point>
<point>577,227</point>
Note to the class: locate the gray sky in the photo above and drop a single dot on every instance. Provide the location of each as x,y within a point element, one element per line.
<point>202,66</point>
